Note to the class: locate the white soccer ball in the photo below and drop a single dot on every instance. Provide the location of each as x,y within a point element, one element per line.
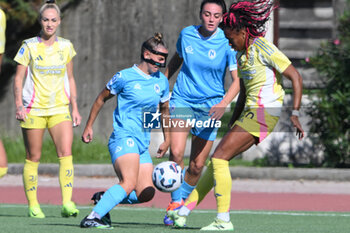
<point>167,176</point>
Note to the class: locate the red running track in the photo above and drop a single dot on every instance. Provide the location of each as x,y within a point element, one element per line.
<point>239,200</point>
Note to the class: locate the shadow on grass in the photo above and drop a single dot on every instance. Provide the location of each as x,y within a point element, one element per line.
<point>13,216</point>
<point>147,225</point>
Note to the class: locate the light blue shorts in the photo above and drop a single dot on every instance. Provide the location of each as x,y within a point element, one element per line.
<point>121,145</point>
<point>181,109</point>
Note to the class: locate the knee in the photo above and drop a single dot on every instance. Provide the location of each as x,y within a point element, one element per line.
<point>146,194</point>
<point>128,186</point>
<point>195,168</point>
<point>176,155</point>
<point>33,156</point>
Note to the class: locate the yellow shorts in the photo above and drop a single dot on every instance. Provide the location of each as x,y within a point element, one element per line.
<point>42,122</point>
<point>257,122</point>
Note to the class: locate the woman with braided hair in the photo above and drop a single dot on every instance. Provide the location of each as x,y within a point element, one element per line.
<point>139,89</point>
<point>260,67</point>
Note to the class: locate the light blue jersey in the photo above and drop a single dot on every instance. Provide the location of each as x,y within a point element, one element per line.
<point>202,75</point>
<point>137,92</point>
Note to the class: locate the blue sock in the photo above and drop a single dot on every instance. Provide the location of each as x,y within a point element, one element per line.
<point>112,197</point>
<point>130,199</point>
<point>186,190</point>
<point>176,196</point>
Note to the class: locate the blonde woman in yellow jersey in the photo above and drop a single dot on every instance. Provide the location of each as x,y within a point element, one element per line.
<point>3,158</point>
<point>260,66</point>
<point>43,102</point>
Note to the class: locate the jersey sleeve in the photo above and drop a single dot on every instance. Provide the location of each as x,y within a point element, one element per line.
<point>23,55</point>
<point>273,56</point>
<point>232,60</point>
<point>179,45</point>
<point>2,31</point>
<point>71,53</point>
<point>116,84</point>
<point>166,95</point>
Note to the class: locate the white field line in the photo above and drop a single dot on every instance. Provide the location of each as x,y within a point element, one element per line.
<point>234,212</point>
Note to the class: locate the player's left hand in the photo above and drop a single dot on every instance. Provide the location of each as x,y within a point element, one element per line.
<point>163,148</point>
<point>217,111</point>
<point>297,125</point>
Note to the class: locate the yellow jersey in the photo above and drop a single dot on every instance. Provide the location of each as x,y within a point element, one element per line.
<point>46,90</point>
<point>2,31</point>
<point>262,75</point>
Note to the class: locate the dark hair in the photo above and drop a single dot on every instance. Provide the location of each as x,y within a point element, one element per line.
<point>153,42</point>
<point>249,15</point>
<point>218,2</point>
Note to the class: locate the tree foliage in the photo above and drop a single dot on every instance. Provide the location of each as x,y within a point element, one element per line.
<point>331,110</point>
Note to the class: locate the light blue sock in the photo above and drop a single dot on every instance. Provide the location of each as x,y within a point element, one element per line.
<point>130,199</point>
<point>186,190</point>
<point>176,196</point>
<point>112,197</point>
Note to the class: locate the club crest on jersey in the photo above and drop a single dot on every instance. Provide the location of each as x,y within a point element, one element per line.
<point>156,88</point>
<point>130,142</point>
<point>212,54</point>
<point>189,49</point>
<point>60,53</point>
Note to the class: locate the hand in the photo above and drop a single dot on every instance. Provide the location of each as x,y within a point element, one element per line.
<point>21,114</point>
<point>76,118</point>
<point>87,135</point>
<point>297,125</point>
<point>163,148</point>
<point>217,111</point>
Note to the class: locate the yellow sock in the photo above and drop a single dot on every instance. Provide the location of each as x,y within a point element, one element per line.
<point>3,171</point>
<point>30,181</point>
<point>204,185</point>
<point>66,176</point>
<point>223,184</point>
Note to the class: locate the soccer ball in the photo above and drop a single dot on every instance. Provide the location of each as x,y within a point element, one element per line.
<point>167,176</point>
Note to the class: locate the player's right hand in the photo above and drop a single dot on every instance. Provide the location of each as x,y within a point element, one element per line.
<point>21,114</point>
<point>87,135</point>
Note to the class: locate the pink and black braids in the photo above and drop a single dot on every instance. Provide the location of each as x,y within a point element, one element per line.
<point>249,15</point>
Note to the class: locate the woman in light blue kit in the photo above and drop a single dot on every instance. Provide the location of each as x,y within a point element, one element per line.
<point>139,89</point>
<point>199,94</point>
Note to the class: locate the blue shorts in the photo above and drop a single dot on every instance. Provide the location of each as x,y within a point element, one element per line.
<point>194,112</point>
<point>121,145</point>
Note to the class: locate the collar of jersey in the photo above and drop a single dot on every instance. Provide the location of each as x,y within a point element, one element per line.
<point>202,37</point>
<point>41,41</point>
<point>143,74</point>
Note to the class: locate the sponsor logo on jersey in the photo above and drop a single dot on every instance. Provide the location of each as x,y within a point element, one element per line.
<point>21,51</point>
<point>137,86</point>
<point>39,58</point>
<point>119,148</point>
<point>116,76</point>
